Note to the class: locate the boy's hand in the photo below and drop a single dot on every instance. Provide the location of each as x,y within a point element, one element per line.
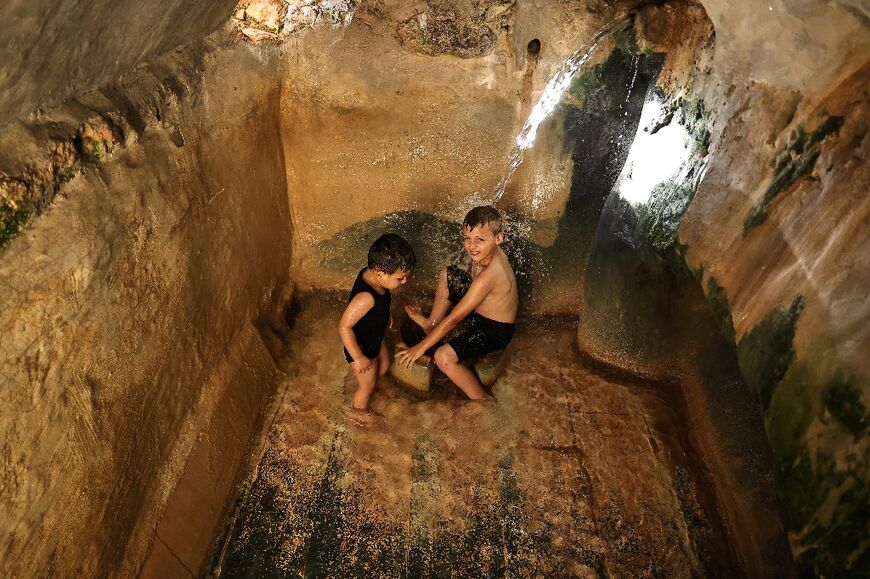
<point>407,357</point>
<point>362,366</point>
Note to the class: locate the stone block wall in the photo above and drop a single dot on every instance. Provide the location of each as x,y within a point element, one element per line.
<point>132,355</point>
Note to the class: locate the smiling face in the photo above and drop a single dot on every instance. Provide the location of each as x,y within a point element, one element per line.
<point>481,243</point>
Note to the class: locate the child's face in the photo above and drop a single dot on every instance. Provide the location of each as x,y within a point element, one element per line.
<point>393,280</point>
<point>481,242</point>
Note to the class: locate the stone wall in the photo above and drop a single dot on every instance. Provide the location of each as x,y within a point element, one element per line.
<point>54,50</point>
<point>429,124</point>
<point>776,234</point>
<point>134,312</point>
<point>146,235</point>
<point>773,233</point>
<point>778,231</point>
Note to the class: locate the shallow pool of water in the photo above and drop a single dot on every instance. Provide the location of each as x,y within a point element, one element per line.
<point>576,470</point>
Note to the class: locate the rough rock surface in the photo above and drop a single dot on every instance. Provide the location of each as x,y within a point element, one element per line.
<point>776,234</point>
<point>779,226</point>
<point>129,355</point>
<point>421,131</point>
<point>54,50</point>
<point>464,30</point>
<point>125,218</point>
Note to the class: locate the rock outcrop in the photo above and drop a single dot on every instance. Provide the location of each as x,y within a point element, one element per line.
<point>55,50</point>
<point>776,234</point>
<point>134,371</point>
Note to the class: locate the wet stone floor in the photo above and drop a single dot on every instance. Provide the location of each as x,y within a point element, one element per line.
<point>574,471</point>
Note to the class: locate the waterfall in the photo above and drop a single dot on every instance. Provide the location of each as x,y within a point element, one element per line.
<point>550,98</point>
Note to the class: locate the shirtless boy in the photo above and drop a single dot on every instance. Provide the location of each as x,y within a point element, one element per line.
<point>488,298</point>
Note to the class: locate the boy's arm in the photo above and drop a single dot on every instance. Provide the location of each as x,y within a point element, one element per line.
<point>479,289</point>
<point>356,309</point>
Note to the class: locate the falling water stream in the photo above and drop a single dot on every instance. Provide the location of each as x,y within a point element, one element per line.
<point>550,98</point>
<point>636,61</point>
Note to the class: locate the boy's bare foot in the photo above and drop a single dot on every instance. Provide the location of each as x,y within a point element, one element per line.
<point>416,315</point>
<point>473,408</point>
<point>364,418</point>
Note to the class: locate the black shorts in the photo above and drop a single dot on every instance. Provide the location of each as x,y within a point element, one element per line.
<point>482,335</point>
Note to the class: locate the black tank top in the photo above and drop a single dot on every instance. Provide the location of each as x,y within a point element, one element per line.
<point>370,328</point>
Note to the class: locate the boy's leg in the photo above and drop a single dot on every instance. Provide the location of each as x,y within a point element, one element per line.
<point>448,362</point>
<point>442,300</point>
<point>365,385</point>
<point>383,360</point>
<point>439,306</point>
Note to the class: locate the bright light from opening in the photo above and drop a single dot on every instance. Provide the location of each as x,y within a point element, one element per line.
<point>653,158</point>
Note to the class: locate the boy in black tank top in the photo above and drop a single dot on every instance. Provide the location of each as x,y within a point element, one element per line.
<point>364,322</point>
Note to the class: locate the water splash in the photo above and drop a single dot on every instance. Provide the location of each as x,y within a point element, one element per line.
<point>550,98</point>
<point>631,85</point>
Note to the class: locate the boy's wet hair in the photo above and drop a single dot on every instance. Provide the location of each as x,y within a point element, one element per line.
<point>483,215</point>
<point>391,253</point>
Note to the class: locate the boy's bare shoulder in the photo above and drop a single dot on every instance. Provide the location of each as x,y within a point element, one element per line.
<point>503,266</point>
<point>498,273</point>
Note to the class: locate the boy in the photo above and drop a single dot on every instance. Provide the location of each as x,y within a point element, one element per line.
<point>488,297</point>
<point>363,323</point>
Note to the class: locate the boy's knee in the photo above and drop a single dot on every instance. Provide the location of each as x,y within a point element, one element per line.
<point>367,379</point>
<point>445,357</point>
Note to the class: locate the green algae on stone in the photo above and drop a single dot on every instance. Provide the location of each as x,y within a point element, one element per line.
<point>805,479</point>
<point>843,401</point>
<point>840,549</point>
<point>796,161</point>
<point>830,534</point>
<point>609,82</point>
<point>96,139</point>
<point>584,84</point>
<point>766,352</point>
<point>674,257</point>
<point>718,300</point>
<point>821,483</point>
<point>32,191</point>
<point>12,220</point>
<point>675,254</point>
<point>793,407</point>
<point>626,40</point>
<point>661,216</point>
<point>324,544</point>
